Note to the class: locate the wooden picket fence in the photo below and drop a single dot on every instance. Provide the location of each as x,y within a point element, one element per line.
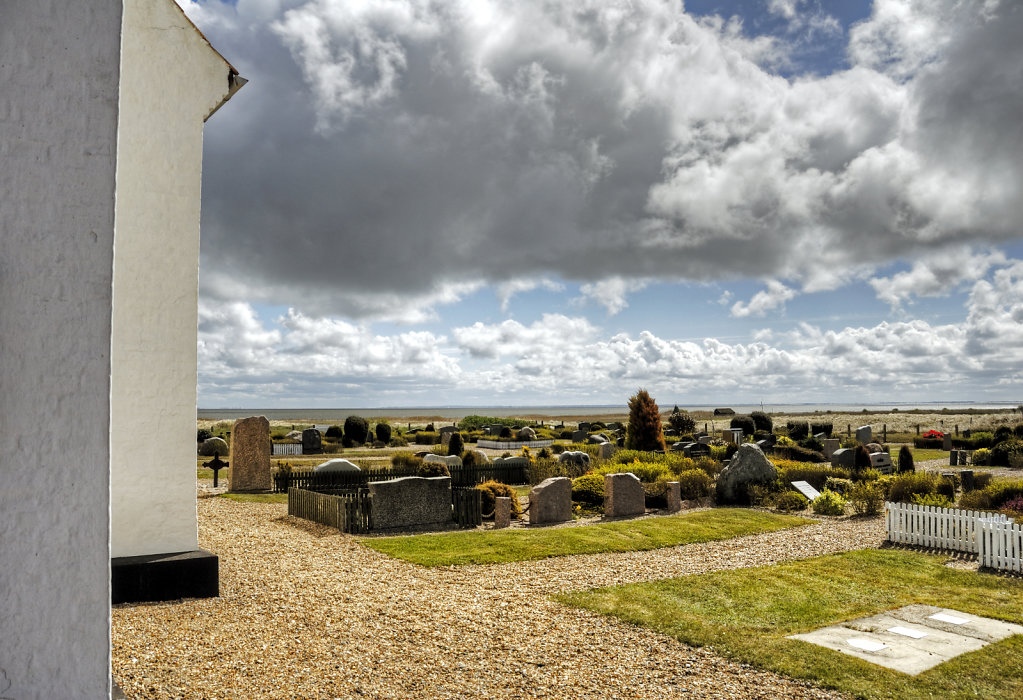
<point>1001,546</point>
<point>994,537</point>
<point>278,449</point>
<point>349,512</point>
<point>467,506</point>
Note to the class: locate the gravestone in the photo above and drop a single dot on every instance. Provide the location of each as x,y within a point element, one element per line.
<point>606,451</point>
<point>966,478</point>
<point>680,446</point>
<point>864,434</point>
<point>502,512</point>
<point>337,466</point>
<point>512,461</point>
<point>448,429</point>
<point>312,442</point>
<point>579,436</point>
<point>674,495</point>
<point>623,495</point>
<point>705,439</point>
<point>747,466</point>
<point>250,454</point>
<point>550,501</point>
<point>584,426</point>
<point>830,445</point>
<point>733,435</point>
<point>526,435</point>
<point>410,501</point>
<point>213,445</point>
<point>882,461</point>
<point>696,449</point>
<point>597,439</point>
<point>946,443</point>
<point>450,461</point>
<point>953,458</point>
<point>844,457</point>
<point>806,489</point>
<point>445,437</point>
<point>581,459</point>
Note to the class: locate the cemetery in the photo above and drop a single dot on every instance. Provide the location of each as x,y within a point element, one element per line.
<point>442,533</point>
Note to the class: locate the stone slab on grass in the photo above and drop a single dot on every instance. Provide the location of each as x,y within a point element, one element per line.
<point>910,639</point>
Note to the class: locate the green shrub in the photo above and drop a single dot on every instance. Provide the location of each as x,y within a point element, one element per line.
<point>866,497</point>
<point>797,431</point>
<point>981,457</point>
<point>761,421</point>
<point>655,495</point>
<point>202,434</point>
<point>744,422</point>
<point>681,421</point>
<point>334,432</point>
<point>993,496</point>
<point>797,453</point>
<point>491,490</point>
<point>928,443</point>
<point>398,441</point>
<point>811,443</point>
<point>647,472</point>
<point>430,469</point>
<point>759,494</point>
<point>829,503</point>
<point>405,460</point>
<point>867,475</point>
<point>383,432</point>
<point>861,458</point>
<point>709,465</point>
<point>982,480</point>
<point>838,485</point>
<point>694,484</point>
<point>904,487</point>
<point>789,501</point>
<point>588,489</point>
<point>455,444</point>
<point>947,486</point>
<point>935,500</point>
<point>905,461</point>
<point>356,429</point>
<point>1008,453</point>
<point>816,475</point>
<point>826,428</point>
<point>425,437</point>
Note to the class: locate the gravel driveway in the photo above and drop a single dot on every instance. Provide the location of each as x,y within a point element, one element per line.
<point>307,612</point>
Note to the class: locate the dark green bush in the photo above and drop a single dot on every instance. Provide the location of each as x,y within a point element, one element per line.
<point>861,458</point>
<point>762,421</point>
<point>1002,432</point>
<point>429,469</point>
<point>644,431</point>
<point>203,434</point>
<point>797,431</point>
<point>383,432</point>
<point>334,432</point>
<point>928,443</point>
<point>681,421</point>
<point>746,423</point>
<point>694,484</point>
<point>905,461</point>
<point>426,438</point>
<point>505,432</point>
<point>903,487</point>
<point>801,454</point>
<point>491,490</point>
<point>789,501</point>
<point>993,496</point>
<point>826,428</point>
<point>405,460</point>
<point>811,443</point>
<point>455,444</point>
<point>588,489</point>
<point>356,429</point>
<point>1008,453</point>
<point>398,441</point>
<point>838,485</point>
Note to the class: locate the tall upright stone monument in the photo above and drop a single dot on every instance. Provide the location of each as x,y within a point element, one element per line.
<point>250,454</point>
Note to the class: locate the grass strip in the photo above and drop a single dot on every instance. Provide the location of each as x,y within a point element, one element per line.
<point>746,614</point>
<point>256,497</point>
<point>501,546</point>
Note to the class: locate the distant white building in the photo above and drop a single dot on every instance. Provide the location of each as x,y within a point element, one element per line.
<point>101,114</point>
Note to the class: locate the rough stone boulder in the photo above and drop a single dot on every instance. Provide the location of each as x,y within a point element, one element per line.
<point>294,435</point>
<point>526,434</point>
<point>211,445</point>
<point>748,466</point>
<point>874,448</point>
<point>481,457</point>
<point>337,465</point>
<point>597,439</point>
<point>581,459</point>
<point>623,495</point>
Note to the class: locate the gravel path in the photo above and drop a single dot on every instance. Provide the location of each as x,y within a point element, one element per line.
<point>306,612</point>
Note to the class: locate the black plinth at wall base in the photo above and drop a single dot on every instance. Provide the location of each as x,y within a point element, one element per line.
<point>153,577</point>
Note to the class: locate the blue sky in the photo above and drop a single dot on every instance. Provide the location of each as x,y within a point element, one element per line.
<point>481,203</point>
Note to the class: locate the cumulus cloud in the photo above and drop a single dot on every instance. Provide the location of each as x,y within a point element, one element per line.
<point>392,151</point>
<point>610,293</point>
<point>771,298</point>
<point>935,275</point>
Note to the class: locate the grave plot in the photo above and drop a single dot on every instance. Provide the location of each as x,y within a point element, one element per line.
<point>913,638</point>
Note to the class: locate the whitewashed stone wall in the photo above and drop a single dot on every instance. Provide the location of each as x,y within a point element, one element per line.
<point>58,127</point>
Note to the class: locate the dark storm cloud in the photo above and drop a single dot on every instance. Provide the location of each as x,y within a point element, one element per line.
<point>388,151</point>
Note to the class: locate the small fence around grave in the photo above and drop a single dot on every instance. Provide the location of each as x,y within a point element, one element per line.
<point>994,537</point>
<point>460,476</point>
<point>278,449</point>
<point>352,511</point>
<point>349,512</point>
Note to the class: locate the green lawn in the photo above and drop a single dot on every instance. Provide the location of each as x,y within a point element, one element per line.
<point>494,547</point>
<point>256,497</point>
<point>746,615</point>
<point>922,455</point>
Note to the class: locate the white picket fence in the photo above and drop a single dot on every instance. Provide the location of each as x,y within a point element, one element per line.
<point>994,537</point>
<point>1001,546</point>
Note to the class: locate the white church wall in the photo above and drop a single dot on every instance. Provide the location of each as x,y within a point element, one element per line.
<point>58,120</point>
<point>171,80</point>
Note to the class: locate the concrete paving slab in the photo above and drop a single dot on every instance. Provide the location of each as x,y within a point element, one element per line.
<point>908,640</point>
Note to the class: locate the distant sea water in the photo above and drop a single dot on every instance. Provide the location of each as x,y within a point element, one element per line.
<point>327,415</point>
